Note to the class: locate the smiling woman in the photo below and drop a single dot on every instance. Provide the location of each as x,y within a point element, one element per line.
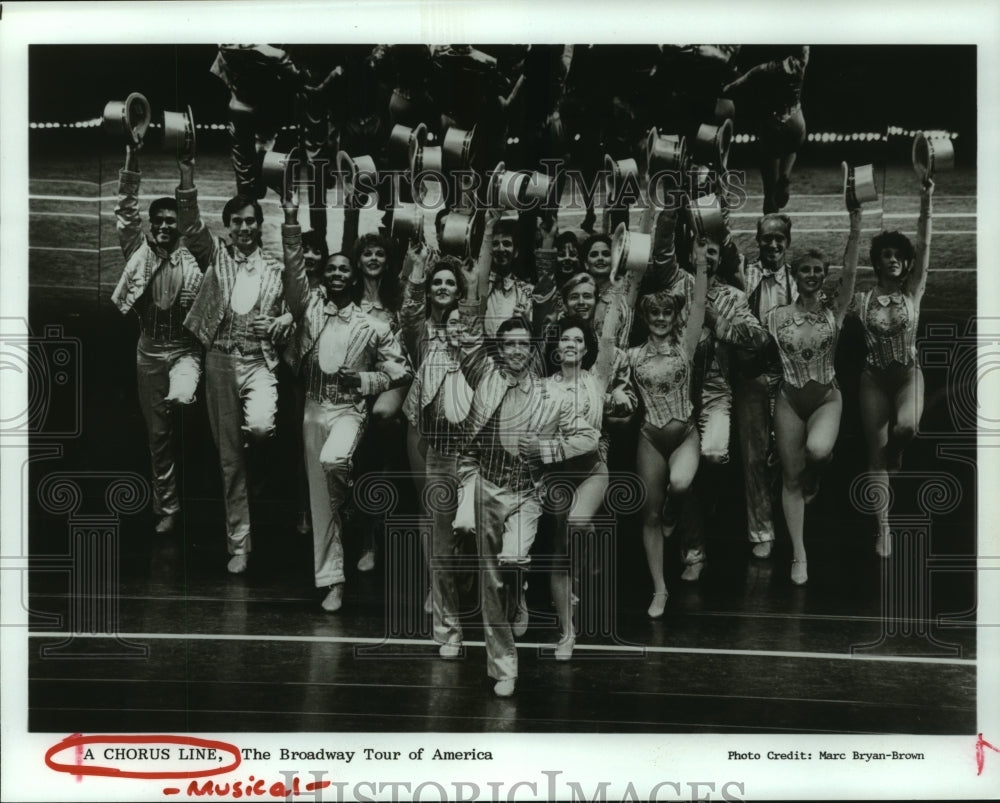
<point>808,405</point>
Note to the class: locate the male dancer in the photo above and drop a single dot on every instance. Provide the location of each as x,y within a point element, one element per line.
<point>158,283</point>
<point>768,282</point>
<point>236,317</point>
<point>346,356</point>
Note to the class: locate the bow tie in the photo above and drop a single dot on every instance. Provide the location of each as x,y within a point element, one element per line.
<point>332,309</point>
<point>892,298</point>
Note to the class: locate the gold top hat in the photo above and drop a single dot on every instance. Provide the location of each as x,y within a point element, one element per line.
<point>665,152</point>
<point>706,219</point>
<point>129,117</point>
<point>630,251</point>
<point>617,173</point>
<point>407,221</point>
<point>859,185</point>
<point>424,157</point>
<point>401,141</point>
<point>931,153</point>
<point>508,186</point>
<point>712,143</point>
<point>178,132</point>
<point>461,235</point>
<point>725,109</point>
<point>538,187</point>
<point>277,170</point>
<point>458,148</point>
<point>353,168</point>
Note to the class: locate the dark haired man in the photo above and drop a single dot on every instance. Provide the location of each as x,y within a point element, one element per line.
<point>158,283</point>
<point>508,407</point>
<point>237,316</point>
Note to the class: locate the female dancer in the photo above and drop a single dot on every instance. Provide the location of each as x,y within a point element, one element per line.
<point>808,404</point>
<point>376,292</point>
<point>669,448</point>
<point>892,385</point>
<point>436,408</point>
<point>592,392</point>
<point>596,253</point>
<point>315,254</point>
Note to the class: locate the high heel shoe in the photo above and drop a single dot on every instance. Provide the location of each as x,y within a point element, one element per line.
<point>799,573</point>
<point>658,605</point>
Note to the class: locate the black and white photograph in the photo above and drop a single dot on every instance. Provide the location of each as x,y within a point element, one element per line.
<point>569,415</point>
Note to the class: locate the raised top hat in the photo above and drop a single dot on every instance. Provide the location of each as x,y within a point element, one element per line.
<point>507,187</point>
<point>712,143</point>
<point>352,168</point>
<point>461,235</point>
<point>407,221</point>
<point>932,152</point>
<point>859,185</point>
<point>129,117</point>
<point>630,251</point>
<point>277,170</point>
<point>665,152</point>
<point>178,132</point>
<point>538,187</point>
<point>617,173</point>
<point>458,148</point>
<point>401,140</point>
<point>706,218</point>
<point>424,157</point>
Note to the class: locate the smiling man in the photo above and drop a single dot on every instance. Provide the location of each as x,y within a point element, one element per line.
<point>238,317</point>
<point>508,295</point>
<point>158,284</point>
<point>346,356</point>
<point>769,285</point>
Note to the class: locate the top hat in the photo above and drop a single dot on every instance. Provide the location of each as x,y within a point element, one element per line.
<point>178,132</point>
<point>706,218</point>
<point>618,172</point>
<point>630,251</point>
<point>353,168</point>
<point>407,221</point>
<point>665,152</point>
<point>507,186</point>
<point>538,187</point>
<point>461,235</point>
<point>400,142</point>
<point>930,153</point>
<point>859,185</point>
<point>711,146</point>
<point>129,117</point>
<point>424,157</point>
<point>458,148</point>
<point>277,171</point>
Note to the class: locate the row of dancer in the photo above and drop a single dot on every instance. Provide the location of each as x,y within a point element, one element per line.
<point>488,422</point>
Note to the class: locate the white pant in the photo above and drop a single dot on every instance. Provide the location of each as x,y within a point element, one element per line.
<point>330,434</point>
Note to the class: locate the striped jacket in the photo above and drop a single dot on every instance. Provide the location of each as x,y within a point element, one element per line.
<point>372,349</point>
<point>221,263</point>
<point>142,258</point>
